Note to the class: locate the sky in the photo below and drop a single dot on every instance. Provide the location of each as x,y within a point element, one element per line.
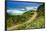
<point>15,7</point>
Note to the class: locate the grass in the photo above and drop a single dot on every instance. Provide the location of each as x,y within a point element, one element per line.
<point>18,19</point>
<point>37,23</point>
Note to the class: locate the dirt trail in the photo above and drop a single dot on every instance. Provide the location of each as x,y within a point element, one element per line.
<point>29,21</point>
<point>32,18</point>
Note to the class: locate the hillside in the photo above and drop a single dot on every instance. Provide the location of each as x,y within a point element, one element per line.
<point>18,19</point>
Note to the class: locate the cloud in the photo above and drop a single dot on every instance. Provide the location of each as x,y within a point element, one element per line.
<point>15,12</point>
<point>31,8</point>
<point>22,9</point>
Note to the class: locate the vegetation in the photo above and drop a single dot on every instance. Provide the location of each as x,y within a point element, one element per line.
<point>41,10</point>
<point>39,22</point>
<point>18,19</point>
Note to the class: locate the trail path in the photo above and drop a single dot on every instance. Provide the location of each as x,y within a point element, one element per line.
<point>29,21</point>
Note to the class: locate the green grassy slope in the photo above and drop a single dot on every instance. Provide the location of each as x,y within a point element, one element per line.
<point>18,19</point>
<point>37,23</point>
